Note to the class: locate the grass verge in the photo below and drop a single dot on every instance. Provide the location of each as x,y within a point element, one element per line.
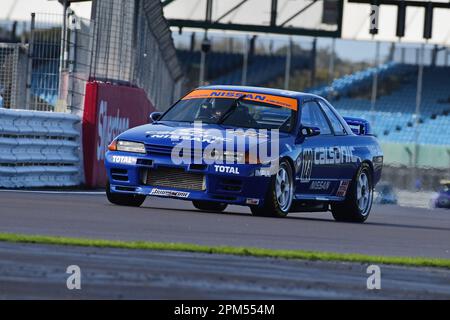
<point>240,251</point>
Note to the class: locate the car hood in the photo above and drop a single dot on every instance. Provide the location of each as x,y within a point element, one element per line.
<point>172,133</point>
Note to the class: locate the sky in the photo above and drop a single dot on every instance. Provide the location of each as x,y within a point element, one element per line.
<point>22,9</point>
<point>355,25</point>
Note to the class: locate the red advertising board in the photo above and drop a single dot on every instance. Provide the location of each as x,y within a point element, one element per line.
<point>108,110</point>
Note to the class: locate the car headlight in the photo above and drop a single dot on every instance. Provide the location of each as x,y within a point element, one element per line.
<point>127,146</point>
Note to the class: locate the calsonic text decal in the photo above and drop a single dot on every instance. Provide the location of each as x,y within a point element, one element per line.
<point>323,155</point>
<point>332,155</point>
<point>204,135</point>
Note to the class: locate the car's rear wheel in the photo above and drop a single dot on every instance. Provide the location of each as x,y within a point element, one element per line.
<point>279,198</point>
<point>358,202</point>
<point>124,199</point>
<point>209,205</point>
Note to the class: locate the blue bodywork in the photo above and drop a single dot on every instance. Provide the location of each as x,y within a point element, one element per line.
<point>443,197</point>
<point>324,164</point>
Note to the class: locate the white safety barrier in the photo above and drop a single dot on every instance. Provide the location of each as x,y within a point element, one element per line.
<point>39,149</point>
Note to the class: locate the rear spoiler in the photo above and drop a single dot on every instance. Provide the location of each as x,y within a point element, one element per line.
<point>359,126</point>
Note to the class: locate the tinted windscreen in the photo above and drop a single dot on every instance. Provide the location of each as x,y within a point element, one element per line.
<point>232,112</point>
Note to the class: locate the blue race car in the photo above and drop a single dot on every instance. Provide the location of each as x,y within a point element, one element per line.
<point>442,199</point>
<point>212,148</point>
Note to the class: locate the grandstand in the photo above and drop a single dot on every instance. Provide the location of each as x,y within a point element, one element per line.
<point>393,117</point>
<point>226,67</point>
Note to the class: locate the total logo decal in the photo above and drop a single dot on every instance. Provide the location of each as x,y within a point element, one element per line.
<point>123,159</point>
<point>168,193</point>
<point>226,169</point>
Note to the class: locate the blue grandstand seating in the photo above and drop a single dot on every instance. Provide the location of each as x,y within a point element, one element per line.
<point>262,69</point>
<point>394,116</point>
<point>226,68</point>
<point>217,63</point>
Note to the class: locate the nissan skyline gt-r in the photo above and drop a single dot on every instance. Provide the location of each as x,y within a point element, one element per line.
<point>212,148</point>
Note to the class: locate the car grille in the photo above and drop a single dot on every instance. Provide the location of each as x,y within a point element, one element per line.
<point>175,178</point>
<point>158,149</point>
<point>154,149</point>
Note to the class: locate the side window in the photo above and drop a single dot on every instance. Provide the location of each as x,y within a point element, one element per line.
<point>335,122</point>
<point>312,116</point>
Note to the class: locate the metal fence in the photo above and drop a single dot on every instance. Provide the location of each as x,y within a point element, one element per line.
<point>13,63</point>
<point>57,79</point>
<point>133,45</point>
<point>125,42</point>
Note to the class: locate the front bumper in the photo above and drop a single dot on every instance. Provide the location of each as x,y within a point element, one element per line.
<point>240,184</point>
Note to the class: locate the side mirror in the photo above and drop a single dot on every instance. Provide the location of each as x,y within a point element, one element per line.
<point>310,131</point>
<point>155,116</point>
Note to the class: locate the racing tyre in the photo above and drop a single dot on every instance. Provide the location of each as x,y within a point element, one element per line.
<point>209,206</point>
<point>358,202</point>
<point>278,200</point>
<point>130,200</point>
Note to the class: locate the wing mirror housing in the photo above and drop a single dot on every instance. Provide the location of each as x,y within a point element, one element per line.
<point>155,116</point>
<point>309,131</point>
<point>306,132</point>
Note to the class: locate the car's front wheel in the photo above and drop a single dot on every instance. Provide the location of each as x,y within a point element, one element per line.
<point>209,205</point>
<point>124,199</point>
<point>358,202</point>
<point>279,198</point>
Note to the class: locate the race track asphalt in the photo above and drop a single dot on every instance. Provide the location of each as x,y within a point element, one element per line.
<point>34,271</point>
<point>390,230</point>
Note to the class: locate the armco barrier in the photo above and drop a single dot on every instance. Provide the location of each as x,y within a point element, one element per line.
<point>39,149</point>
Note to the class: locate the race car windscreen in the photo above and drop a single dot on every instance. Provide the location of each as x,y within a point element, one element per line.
<point>232,112</point>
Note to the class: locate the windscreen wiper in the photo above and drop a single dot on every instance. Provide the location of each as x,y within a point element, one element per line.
<point>230,110</point>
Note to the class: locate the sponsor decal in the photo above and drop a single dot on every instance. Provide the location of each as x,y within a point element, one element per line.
<point>205,135</point>
<point>319,185</point>
<point>226,169</point>
<point>252,201</point>
<point>323,155</point>
<point>169,193</point>
<point>342,190</point>
<point>334,155</point>
<point>290,103</point>
<point>123,159</point>
<point>108,128</point>
<point>307,163</point>
<point>266,171</point>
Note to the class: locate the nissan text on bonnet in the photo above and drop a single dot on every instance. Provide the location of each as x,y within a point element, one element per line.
<point>275,151</point>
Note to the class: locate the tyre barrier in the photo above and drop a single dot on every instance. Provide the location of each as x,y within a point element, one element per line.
<point>39,149</point>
